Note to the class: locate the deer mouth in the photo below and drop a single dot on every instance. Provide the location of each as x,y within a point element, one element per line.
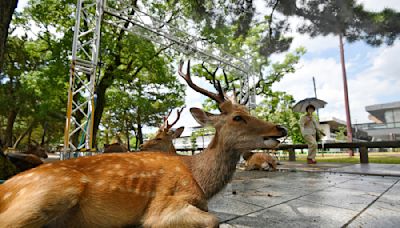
<point>271,141</point>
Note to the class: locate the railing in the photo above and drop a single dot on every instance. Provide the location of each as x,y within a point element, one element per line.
<point>378,125</point>
<point>362,146</point>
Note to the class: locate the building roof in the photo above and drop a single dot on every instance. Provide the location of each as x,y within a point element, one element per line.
<point>378,110</point>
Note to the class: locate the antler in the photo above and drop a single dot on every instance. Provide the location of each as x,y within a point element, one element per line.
<point>178,112</point>
<point>219,98</point>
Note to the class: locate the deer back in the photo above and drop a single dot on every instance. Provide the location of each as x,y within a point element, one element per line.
<point>112,190</point>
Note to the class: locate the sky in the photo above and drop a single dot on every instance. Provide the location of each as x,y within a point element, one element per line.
<point>373,74</point>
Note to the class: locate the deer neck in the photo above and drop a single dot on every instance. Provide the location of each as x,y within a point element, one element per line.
<point>214,167</point>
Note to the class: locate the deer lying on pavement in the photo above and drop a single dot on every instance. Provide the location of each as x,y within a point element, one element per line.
<point>164,136</point>
<point>259,161</point>
<point>148,188</point>
<point>28,159</point>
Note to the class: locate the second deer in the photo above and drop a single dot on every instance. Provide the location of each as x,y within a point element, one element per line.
<point>164,136</point>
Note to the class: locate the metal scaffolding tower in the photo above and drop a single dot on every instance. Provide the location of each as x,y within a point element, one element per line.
<point>81,94</point>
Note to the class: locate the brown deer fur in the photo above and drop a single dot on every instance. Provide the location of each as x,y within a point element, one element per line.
<point>152,189</point>
<point>259,161</point>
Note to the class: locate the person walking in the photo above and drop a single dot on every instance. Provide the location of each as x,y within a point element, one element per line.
<point>309,129</point>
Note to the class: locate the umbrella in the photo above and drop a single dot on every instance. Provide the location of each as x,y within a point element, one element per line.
<point>302,105</point>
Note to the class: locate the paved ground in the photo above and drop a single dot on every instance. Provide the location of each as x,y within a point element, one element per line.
<point>318,197</point>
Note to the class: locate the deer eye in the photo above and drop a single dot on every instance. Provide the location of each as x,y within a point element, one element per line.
<point>237,118</point>
<point>159,139</point>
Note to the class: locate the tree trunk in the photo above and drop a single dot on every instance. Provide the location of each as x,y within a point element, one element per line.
<point>7,8</point>
<point>12,115</point>
<point>22,136</point>
<point>104,84</point>
<point>139,129</point>
<point>43,141</point>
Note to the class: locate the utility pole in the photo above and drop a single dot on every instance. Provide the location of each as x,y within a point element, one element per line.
<point>346,95</point>
<point>315,94</point>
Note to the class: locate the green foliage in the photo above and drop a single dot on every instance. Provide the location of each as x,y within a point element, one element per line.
<point>200,133</point>
<point>278,109</point>
<point>345,17</point>
<point>341,134</point>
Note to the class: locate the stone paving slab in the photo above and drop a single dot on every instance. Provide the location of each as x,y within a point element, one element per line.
<point>370,169</point>
<point>308,199</point>
<point>295,213</point>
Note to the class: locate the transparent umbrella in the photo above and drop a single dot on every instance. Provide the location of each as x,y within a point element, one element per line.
<point>302,105</point>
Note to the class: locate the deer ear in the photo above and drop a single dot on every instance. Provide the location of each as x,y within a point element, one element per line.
<point>226,106</point>
<point>178,132</point>
<point>202,117</point>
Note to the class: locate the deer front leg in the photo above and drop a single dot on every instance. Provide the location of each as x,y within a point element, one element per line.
<point>185,216</point>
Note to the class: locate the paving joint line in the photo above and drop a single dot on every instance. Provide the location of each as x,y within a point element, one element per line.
<point>264,208</point>
<point>369,205</point>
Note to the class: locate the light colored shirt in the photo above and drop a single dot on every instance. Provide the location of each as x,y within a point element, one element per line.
<point>310,127</point>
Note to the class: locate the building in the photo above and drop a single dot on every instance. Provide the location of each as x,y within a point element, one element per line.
<point>333,126</point>
<point>386,121</point>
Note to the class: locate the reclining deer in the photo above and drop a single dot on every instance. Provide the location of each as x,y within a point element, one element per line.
<point>30,158</point>
<point>164,136</point>
<point>148,188</point>
<point>259,161</point>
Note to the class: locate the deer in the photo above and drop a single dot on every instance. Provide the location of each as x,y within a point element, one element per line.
<point>152,189</point>
<point>164,136</point>
<point>30,158</point>
<point>259,161</point>
<point>116,147</point>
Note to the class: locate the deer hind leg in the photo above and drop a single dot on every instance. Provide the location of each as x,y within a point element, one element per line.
<point>187,216</point>
<point>37,207</point>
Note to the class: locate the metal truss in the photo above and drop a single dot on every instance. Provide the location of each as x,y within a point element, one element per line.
<point>81,94</point>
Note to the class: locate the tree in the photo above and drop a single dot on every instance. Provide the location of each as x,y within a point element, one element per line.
<point>7,8</point>
<point>277,108</point>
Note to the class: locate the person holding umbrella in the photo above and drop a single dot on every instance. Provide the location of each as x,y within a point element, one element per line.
<point>309,126</point>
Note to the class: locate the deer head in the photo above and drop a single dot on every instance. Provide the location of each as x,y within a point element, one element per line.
<point>237,132</point>
<point>164,136</point>
<point>37,149</point>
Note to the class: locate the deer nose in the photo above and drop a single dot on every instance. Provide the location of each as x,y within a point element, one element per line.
<point>282,130</point>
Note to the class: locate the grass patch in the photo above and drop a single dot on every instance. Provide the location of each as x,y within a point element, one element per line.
<point>382,158</point>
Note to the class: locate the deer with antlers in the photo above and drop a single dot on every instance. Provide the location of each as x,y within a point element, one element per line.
<point>147,188</point>
<point>164,136</point>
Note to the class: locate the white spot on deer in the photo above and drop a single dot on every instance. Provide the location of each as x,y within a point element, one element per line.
<point>120,173</point>
<point>143,175</point>
<point>178,169</point>
<point>72,190</point>
<point>7,195</point>
<point>161,171</point>
<point>137,191</point>
<point>64,168</point>
<point>117,166</point>
<point>67,178</point>
<point>85,179</point>
<point>110,172</point>
<point>185,182</point>
<point>37,178</point>
<point>154,173</point>
<point>29,175</point>
<point>100,183</point>
<point>99,170</point>
<point>133,176</point>
<point>113,187</point>
<point>22,191</point>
